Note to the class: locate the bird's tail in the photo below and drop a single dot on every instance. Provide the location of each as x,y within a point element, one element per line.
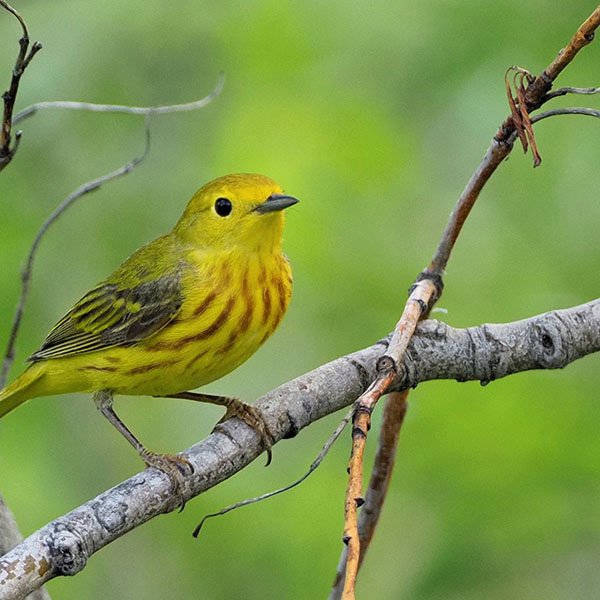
<point>23,388</point>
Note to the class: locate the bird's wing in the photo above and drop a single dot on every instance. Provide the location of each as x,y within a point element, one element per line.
<point>114,315</point>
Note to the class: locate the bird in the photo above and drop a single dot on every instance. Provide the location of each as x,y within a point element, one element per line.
<point>179,313</point>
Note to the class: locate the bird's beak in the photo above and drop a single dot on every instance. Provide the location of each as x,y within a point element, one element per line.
<point>276,202</point>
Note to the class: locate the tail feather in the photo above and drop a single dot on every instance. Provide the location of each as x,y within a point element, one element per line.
<point>23,388</point>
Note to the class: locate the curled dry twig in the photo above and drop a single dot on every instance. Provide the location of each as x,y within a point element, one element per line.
<point>512,103</point>
<point>520,112</point>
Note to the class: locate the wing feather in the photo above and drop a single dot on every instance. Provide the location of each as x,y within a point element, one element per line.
<point>110,315</point>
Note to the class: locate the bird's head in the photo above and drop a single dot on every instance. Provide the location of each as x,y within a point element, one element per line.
<point>235,211</point>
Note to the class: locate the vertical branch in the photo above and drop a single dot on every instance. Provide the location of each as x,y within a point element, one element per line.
<point>352,503</point>
<point>394,411</point>
<point>9,531</point>
<point>23,59</point>
<point>393,417</point>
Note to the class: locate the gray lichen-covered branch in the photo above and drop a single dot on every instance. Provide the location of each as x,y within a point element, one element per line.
<point>437,351</point>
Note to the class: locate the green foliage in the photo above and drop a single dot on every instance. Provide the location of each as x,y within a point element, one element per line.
<point>374,115</point>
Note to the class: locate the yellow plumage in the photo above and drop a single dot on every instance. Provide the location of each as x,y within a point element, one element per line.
<point>181,311</point>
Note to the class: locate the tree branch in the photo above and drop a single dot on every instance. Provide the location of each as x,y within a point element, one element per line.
<point>11,537</point>
<point>429,283</point>
<point>9,96</point>
<point>394,412</point>
<point>572,90</point>
<point>119,108</point>
<point>437,351</point>
<point>82,190</point>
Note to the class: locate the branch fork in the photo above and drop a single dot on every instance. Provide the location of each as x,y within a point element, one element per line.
<point>7,148</point>
<point>425,293</point>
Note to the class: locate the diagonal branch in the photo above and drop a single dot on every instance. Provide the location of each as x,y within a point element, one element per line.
<point>428,288</point>
<point>82,190</point>
<point>393,416</point>
<point>437,351</point>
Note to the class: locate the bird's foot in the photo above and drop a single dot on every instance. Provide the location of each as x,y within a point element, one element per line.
<point>173,465</point>
<point>253,417</point>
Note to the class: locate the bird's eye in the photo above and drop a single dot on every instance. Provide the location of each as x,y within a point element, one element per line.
<point>223,207</point>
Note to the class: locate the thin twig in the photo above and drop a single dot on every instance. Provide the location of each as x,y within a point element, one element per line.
<point>574,110</point>
<point>82,190</point>
<point>531,99</point>
<point>572,90</point>
<point>334,436</point>
<point>24,57</point>
<point>9,532</point>
<point>117,108</point>
<point>19,18</point>
<point>387,368</point>
<point>394,412</point>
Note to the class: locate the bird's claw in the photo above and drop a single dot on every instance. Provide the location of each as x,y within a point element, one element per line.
<point>254,418</point>
<point>173,465</point>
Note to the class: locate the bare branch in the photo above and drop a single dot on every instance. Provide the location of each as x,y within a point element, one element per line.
<point>572,90</point>
<point>19,18</point>
<point>394,412</point>
<point>82,190</point>
<point>117,108</point>
<point>9,538</point>
<point>24,57</point>
<point>437,351</point>
<point>574,110</point>
<point>9,532</point>
<point>315,464</point>
<point>429,284</point>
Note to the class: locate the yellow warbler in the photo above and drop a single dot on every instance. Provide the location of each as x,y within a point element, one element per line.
<point>180,312</point>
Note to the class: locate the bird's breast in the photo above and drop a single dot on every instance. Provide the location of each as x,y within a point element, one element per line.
<point>229,310</point>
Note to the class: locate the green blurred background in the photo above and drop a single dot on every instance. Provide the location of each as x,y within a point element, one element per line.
<point>375,114</point>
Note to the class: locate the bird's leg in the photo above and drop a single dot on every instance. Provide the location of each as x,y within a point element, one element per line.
<point>235,408</point>
<point>172,465</point>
